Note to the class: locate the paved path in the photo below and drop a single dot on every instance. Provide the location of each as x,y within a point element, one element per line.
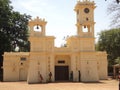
<point>103,85</point>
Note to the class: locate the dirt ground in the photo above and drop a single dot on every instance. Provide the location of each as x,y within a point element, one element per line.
<point>102,85</point>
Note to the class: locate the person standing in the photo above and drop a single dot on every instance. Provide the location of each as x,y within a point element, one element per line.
<point>50,77</point>
<point>40,77</point>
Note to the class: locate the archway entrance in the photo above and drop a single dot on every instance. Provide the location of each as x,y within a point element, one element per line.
<point>23,75</point>
<point>61,73</point>
<point>62,67</point>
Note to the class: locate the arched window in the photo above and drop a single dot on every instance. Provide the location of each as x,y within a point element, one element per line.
<point>37,28</point>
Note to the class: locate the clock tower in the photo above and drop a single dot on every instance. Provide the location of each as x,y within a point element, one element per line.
<point>85,24</point>
<point>85,18</point>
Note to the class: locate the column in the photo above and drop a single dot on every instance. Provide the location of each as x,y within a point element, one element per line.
<point>43,30</point>
<point>74,67</point>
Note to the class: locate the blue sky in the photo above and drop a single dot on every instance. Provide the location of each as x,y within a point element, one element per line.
<point>60,15</point>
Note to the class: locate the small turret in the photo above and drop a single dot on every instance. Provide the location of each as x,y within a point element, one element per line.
<point>37,27</point>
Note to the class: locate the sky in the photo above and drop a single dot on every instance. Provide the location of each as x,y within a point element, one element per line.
<point>60,16</point>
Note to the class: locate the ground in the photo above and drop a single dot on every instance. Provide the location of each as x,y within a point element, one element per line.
<point>102,85</point>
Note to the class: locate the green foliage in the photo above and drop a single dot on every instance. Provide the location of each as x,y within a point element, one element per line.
<point>13,28</point>
<point>19,31</point>
<point>113,11</point>
<point>117,60</point>
<point>109,41</point>
<point>117,1</point>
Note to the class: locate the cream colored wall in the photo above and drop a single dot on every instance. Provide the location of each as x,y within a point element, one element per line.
<point>37,64</point>
<point>81,44</point>
<point>87,44</point>
<point>50,66</point>
<point>39,44</point>
<point>43,63</point>
<point>23,69</point>
<point>65,58</point>
<point>102,65</point>
<point>75,63</point>
<point>12,66</point>
<point>89,72</point>
<point>73,43</point>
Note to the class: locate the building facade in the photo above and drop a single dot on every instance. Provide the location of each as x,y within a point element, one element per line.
<point>77,61</point>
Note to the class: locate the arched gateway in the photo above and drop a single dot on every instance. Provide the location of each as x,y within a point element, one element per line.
<point>62,67</point>
<point>78,61</point>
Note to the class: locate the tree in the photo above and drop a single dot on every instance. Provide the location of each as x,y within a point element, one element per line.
<point>114,10</point>
<point>117,1</point>
<point>109,41</point>
<point>117,60</point>
<point>19,31</point>
<point>13,30</point>
<point>5,11</point>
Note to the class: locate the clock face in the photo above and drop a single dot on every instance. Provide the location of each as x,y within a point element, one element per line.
<point>86,10</point>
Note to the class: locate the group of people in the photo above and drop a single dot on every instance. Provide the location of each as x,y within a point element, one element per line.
<point>50,76</point>
<point>71,76</point>
<point>41,78</point>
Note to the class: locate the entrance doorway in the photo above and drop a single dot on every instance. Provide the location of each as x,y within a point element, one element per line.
<point>23,75</point>
<point>61,73</point>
